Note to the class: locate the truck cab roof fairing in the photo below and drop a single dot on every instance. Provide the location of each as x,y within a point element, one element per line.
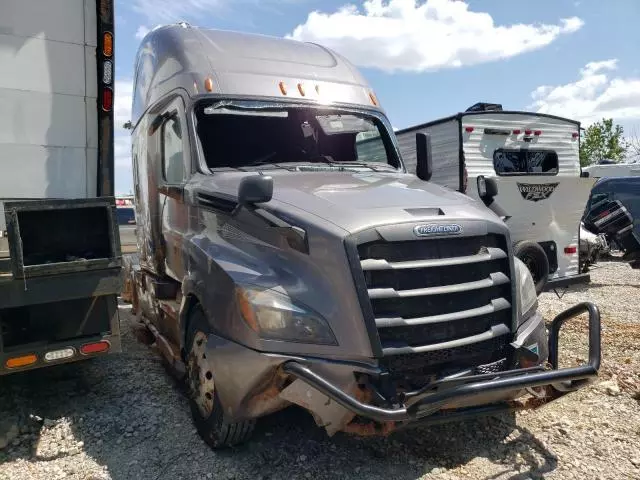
<point>179,56</point>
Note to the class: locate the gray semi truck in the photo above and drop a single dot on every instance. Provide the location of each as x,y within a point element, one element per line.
<point>287,257</point>
<point>60,260</point>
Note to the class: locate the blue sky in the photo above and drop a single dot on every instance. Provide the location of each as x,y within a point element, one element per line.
<point>428,59</point>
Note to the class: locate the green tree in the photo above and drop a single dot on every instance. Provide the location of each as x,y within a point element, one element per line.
<point>602,140</point>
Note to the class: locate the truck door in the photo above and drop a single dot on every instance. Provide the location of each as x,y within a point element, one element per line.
<point>175,171</point>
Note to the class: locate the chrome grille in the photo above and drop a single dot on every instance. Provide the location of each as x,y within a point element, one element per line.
<point>439,303</point>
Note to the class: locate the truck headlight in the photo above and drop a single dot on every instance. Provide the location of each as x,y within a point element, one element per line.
<point>274,316</point>
<point>526,290</point>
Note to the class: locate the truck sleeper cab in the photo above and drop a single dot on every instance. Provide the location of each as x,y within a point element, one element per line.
<point>284,261</point>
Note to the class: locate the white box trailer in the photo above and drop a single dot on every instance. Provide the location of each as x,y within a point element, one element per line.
<point>534,159</point>
<point>60,254</point>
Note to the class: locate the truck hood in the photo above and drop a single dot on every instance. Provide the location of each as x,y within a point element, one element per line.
<point>355,201</point>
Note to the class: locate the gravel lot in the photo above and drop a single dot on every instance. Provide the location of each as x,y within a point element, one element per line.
<point>124,417</point>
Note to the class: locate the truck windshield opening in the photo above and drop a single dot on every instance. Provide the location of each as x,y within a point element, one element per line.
<point>521,161</point>
<point>236,136</point>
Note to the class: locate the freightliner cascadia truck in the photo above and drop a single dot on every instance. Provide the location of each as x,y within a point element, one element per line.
<point>287,256</point>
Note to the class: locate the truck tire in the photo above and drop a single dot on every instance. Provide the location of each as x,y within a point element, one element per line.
<point>534,257</point>
<point>206,410</point>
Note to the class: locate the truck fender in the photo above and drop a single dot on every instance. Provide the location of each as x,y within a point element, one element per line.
<point>192,294</point>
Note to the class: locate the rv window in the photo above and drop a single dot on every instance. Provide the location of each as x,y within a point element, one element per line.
<point>525,162</point>
<point>172,161</point>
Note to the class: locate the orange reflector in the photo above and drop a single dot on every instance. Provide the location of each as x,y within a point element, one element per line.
<point>283,88</point>
<point>23,361</point>
<point>373,99</point>
<point>208,85</point>
<point>107,44</point>
<point>96,347</point>
<point>301,89</point>
<point>107,99</point>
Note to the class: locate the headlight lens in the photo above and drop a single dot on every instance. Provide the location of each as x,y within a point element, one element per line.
<point>274,316</point>
<point>526,289</point>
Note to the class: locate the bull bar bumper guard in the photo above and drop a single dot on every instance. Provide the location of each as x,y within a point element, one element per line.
<point>426,402</point>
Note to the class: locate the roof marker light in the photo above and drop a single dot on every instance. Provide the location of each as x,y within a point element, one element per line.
<point>301,89</point>
<point>468,129</point>
<point>517,132</point>
<point>208,84</point>
<point>107,44</point>
<point>374,100</point>
<point>537,133</point>
<point>283,88</point>
<point>528,132</point>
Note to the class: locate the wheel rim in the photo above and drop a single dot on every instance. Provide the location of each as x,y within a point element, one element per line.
<point>201,384</point>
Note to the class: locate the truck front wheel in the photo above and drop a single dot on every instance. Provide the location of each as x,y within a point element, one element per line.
<point>206,410</point>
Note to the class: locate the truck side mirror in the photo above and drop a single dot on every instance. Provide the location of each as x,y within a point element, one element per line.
<point>424,162</point>
<point>255,189</point>
<point>487,189</point>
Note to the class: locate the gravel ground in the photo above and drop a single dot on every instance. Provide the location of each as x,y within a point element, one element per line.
<point>124,417</point>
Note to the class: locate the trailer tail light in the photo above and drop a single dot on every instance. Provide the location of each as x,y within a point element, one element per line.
<point>107,44</point>
<point>537,133</point>
<point>517,132</point>
<point>570,250</point>
<point>107,99</point>
<point>55,355</point>
<point>468,129</point>
<point>96,347</point>
<point>23,361</point>
<point>107,72</point>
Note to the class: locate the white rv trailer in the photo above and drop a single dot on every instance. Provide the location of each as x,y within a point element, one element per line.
<point>601,170</point>
<point>534,159</point>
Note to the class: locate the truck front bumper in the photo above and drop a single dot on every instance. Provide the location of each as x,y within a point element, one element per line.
<point>555,382</point>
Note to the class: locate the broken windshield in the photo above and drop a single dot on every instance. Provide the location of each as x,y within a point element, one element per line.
<point>254,135</point>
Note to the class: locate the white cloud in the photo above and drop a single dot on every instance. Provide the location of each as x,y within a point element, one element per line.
<point>122,102</point>
<point>122,137</point>
<point>410,35</point>
<point>142,31</point>
<point>596,94</point>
